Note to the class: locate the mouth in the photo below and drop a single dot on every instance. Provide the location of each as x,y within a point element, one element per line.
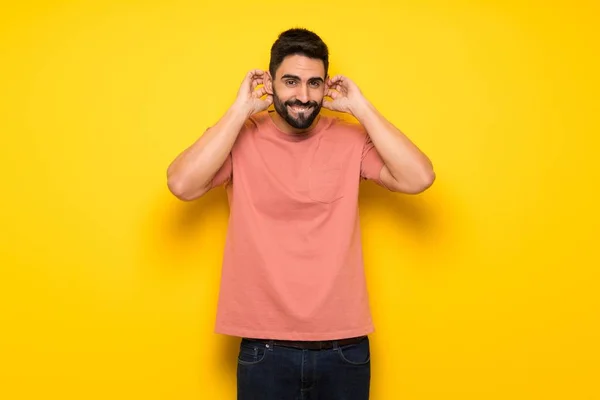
<point>299,109</point>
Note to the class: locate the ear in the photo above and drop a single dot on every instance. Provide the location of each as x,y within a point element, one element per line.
<point>268,83</point>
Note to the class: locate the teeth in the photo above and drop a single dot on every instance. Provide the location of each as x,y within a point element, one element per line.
<point>300,109</point>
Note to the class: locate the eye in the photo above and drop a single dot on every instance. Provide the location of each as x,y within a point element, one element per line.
<point>290,82</point>
<point>315,84</point>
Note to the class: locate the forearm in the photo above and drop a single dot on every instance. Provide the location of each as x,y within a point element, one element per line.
<point>190,174</point>
<point>408,165</point>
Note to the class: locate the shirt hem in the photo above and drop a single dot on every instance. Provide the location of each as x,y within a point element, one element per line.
<point>306,336</point>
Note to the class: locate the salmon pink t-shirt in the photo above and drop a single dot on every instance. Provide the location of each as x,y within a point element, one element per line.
<point>293,263</point>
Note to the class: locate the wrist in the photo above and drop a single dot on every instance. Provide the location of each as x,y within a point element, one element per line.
<point>241,110</point>
<point>360,108</point>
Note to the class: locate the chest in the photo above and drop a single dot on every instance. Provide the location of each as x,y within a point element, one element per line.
<point>287,177</point>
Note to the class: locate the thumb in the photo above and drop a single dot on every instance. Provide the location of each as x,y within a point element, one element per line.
<point>328,105</point>
<point>266,103</point>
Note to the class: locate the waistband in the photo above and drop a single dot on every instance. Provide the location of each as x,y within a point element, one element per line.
<point>312,344</point>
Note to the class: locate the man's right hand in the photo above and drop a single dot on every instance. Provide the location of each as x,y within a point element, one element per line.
<point>191,174</point>
<point>249,98</point>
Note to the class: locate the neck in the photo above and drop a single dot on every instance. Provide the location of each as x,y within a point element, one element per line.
<point>287,128</point>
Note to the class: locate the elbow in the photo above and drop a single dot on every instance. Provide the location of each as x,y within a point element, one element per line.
<point>424,181</point>
<point>180,189</point>
<point>177,188</point>
<point>418,184</point>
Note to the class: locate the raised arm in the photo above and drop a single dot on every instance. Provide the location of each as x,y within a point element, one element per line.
<point>189,176</point>
<point>406,168</point>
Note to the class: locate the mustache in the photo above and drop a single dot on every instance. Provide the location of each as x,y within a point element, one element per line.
<point>298,103</point>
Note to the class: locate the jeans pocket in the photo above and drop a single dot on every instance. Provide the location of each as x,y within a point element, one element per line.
<point>357,353</point>
<point>251,353</point>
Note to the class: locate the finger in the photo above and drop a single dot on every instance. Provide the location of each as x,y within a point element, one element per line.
<point>256,82</point>
<point>332,93</point>
<point>256,72</point>
<point>252,74</point>
<point>328,105</point>
<point>260,92</point>
<point>335,86</point>
<point>338,84</point>
<point>266,103</point>
<point>339,89</point>
<point>337,79</point>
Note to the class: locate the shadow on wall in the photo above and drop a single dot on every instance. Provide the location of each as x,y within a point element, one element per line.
<point>183,243</point>
<point>423,221</point>
<point>181,233</point>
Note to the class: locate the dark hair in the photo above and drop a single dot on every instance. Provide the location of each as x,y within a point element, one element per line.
<point>298,41</point>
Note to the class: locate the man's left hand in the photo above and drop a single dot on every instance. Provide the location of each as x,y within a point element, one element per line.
<point>346,95</point>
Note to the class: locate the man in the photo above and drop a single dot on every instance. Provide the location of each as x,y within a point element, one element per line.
<point>293,286</point>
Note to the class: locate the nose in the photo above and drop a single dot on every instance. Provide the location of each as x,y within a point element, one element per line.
<point>302,94</point>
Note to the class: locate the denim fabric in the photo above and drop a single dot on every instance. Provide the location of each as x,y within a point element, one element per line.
<point>271,372</point>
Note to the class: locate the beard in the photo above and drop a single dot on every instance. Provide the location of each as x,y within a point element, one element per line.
<point>304,119</point>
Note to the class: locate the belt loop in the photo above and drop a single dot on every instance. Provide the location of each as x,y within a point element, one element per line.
<point>335,345</point>
<point>270,344</point>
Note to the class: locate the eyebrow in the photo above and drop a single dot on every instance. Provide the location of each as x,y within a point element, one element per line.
<point>314,78</point>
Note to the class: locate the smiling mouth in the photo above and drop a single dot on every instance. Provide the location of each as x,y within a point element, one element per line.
<point>299,109</point>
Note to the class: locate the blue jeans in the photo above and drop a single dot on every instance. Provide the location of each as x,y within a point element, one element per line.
<point>271,372</point>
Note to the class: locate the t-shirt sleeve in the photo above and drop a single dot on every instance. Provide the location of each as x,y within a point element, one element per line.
<point>224,174</point>
<point>371,162</point>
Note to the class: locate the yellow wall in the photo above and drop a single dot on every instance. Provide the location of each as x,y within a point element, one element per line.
<point>481,288</point>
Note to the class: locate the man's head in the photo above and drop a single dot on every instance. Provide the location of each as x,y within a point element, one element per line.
<point>298,70</point>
